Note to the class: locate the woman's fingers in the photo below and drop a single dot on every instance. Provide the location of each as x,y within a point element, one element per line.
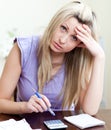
<point>86,28</point>
<point>81,31</point>
<point>83,34</point>
<point>46,100</point>
<point>39,104</point>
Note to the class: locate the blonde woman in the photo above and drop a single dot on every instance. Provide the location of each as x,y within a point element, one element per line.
<point>65,65</point>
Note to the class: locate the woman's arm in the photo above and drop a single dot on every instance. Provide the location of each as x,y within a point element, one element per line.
<point>90,98</point>
<point>8,83</point>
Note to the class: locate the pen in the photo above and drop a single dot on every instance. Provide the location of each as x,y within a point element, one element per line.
<point>38,95</point>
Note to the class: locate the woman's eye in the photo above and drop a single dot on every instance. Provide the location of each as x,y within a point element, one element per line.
<point>63,28</point>
<point>74,38</point>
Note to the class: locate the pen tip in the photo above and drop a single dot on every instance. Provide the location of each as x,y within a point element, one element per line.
<point>52,113</point>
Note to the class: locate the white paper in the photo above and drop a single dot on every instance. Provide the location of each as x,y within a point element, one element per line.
<point>12,124</point>
<point>84,121</point>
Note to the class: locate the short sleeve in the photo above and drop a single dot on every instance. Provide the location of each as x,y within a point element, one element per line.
<point>25,45</point>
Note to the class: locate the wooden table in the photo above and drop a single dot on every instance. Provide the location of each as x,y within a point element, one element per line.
<point>36,119</point>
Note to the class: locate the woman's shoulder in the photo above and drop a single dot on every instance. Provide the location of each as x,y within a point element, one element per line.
<point>27,40</point>
<point>28,47</point>
<point>27,43</point>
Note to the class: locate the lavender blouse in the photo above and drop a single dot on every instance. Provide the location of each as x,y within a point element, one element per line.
<point>28,78</point>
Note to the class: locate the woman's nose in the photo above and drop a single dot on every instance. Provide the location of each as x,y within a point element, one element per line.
<point>63,39</point>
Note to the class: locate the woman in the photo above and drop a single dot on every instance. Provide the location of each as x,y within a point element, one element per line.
<point>65,64</point>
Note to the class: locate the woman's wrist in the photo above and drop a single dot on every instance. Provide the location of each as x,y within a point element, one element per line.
<point>100,56</point>
<point>23,107</point>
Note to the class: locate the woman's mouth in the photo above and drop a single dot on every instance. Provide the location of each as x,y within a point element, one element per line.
<point>57,46</point>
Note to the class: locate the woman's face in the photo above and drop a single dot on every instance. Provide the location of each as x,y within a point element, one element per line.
<point>64,38</point>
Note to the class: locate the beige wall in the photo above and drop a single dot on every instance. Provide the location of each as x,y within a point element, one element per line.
<point>103,10</point>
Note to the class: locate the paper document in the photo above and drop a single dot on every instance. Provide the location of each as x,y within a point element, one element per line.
<point>84,121</point>
<point>12,124</point>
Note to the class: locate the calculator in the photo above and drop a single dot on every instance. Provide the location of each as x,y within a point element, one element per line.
<point>55,124</point>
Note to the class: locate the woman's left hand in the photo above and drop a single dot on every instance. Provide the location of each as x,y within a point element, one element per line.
<point>83,33</point>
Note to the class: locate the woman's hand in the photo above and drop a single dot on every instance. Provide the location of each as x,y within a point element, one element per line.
<point>83,33</point>
<point>36,104</point>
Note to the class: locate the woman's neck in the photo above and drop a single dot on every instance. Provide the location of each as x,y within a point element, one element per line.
<point>57,59</point>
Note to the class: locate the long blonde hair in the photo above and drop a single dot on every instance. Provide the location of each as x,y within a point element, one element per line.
<point>78,62</point>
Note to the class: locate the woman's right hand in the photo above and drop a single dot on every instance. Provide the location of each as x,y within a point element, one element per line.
<point>36,104</point>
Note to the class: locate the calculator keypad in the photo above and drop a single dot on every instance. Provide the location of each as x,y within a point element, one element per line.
<point>55,124</point>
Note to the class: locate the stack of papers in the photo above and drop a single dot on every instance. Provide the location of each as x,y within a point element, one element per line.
<point>12,124</point>
<point>84,121</point>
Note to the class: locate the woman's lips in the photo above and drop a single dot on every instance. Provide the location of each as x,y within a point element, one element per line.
<point>57,46</point>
